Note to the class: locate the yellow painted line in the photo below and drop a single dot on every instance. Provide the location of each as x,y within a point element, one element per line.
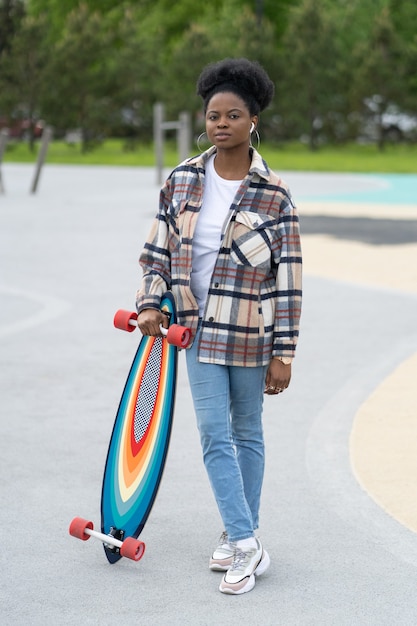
<point>383,440</point>
<point>347,209</point>
<point>383,444</point>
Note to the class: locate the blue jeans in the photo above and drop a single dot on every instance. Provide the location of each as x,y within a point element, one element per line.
<point>228,404</point>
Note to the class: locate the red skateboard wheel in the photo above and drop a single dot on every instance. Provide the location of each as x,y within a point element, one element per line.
<point>78,526</point>
<point>122,320</point>
<point>178,336</point>
<point>132,548</point>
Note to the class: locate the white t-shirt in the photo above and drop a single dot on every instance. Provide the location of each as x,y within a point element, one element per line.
<point>218,195</point>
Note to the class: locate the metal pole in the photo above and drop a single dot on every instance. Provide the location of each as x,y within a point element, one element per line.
<point>183,128</point>
<point>4,135</point>
<point>158,137</point>
<point>184,135</point>
<point>46,138</point>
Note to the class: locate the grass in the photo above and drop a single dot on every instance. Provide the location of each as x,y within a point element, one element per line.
<point>397,158</point>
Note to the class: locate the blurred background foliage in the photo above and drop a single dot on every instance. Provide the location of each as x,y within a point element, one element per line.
<point>341,67</point>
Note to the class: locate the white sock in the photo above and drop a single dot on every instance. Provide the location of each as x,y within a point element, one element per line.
<point>247,544</point>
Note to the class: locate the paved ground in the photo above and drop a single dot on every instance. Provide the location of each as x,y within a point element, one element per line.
<point>68,259</point>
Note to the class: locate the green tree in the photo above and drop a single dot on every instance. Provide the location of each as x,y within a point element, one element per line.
<point>138,72</point>
<point>80,77</point>
<point>309,69</point>
<point>107,60</point>
<point>156,52</point>
<point>411,76</point>
<point>211,39</point>
<point>22,69</point>
<point>404,18</point>
<point>381,69</point>
<point>353,22</point>
<point>277,12</point>
<point>11,14</point>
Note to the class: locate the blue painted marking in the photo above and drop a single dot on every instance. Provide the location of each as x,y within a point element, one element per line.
<point>373,188</point>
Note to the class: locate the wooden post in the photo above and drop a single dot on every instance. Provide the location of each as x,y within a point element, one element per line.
<point>46,138</point>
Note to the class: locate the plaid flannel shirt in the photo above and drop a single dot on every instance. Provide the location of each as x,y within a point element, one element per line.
<point>254,301</point>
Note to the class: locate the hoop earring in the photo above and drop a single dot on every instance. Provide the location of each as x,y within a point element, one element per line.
<point>258,139</point>
<point>199,139</point>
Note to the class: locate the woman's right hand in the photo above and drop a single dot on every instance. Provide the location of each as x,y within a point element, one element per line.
<point>150,320</point>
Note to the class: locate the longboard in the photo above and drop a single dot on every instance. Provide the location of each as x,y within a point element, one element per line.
<point>139,442</point>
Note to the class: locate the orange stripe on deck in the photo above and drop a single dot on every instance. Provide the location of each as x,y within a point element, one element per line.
<point>132,466</point>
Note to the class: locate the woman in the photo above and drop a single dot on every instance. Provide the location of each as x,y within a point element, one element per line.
<point>226,242</point>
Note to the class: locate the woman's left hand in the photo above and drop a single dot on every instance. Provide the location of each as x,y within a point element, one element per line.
<point>277,378</point>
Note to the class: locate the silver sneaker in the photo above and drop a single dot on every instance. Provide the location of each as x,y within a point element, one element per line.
<point>222,557</point>
<point>240,577</point>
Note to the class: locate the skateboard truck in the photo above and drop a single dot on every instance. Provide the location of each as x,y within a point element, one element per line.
<point>115,534</point>
<point>130,547</point>
<point>176,335</point>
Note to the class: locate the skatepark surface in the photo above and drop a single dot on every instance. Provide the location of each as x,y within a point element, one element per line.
<point>339,507</point>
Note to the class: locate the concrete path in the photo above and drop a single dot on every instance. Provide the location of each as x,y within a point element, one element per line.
<point>340,557</point>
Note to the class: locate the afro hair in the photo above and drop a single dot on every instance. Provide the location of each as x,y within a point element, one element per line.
<point>245,78</point>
